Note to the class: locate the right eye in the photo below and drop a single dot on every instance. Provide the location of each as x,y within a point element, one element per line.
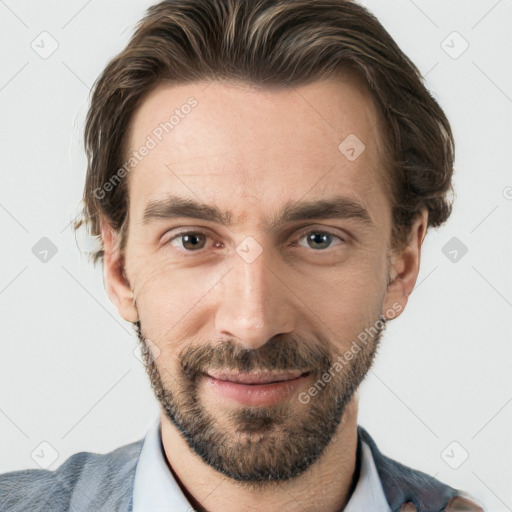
<point>189,241</point>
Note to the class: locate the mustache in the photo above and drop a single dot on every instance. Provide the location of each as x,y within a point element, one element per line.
<point>281,353</point>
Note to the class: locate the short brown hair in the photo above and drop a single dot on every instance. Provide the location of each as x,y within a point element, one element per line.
<point>270,43</point>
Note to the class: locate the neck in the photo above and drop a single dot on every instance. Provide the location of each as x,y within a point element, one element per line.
<point>326,485</point>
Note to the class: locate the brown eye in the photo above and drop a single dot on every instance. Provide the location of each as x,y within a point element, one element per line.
<point>190,241</point>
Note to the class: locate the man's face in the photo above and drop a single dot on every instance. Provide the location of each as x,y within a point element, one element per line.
<point>263,295</point>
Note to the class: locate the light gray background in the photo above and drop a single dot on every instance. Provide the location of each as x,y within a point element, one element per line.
<point>68,373</point>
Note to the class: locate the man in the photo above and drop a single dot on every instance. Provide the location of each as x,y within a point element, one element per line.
<point>262,175</point>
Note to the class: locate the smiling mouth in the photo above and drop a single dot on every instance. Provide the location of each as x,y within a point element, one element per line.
<point>256,378</point>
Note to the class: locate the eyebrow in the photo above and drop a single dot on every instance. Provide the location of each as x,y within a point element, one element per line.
<point>337,207</point>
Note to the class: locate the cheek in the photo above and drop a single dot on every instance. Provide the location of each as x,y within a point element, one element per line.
<point>346,300</point>
<point>169,300</point>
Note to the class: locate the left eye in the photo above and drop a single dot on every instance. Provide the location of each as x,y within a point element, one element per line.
<point>318,239</point>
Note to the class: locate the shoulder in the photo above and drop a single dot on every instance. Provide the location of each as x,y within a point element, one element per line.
<point>410,490</point>
<point>83,478</point>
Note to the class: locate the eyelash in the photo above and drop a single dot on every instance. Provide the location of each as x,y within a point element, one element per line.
<point>301,235</point>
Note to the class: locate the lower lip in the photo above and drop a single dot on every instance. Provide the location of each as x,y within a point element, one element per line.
<point>255,394</point>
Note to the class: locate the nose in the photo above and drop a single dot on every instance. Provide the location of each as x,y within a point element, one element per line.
<point>254,303</point>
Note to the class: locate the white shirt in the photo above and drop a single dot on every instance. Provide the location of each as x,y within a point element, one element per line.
<point>156,490</point>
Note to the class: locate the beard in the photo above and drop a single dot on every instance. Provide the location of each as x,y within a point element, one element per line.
<point>259,446</point>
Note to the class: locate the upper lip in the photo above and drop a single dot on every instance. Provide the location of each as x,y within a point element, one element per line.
<point>255,377</point>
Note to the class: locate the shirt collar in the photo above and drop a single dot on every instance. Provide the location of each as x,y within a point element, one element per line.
<point>368,495</point>
<point>156,489</point>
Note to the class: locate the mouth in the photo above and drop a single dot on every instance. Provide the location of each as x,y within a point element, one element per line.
<point>256,378</point>
<point>255,388</point>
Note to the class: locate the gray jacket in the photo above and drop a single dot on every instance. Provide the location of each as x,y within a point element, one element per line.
<point>90,482</point>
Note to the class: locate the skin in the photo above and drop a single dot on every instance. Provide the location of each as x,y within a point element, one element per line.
<point>249,151</point>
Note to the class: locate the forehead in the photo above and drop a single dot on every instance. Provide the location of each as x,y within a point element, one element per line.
<point>238,146</point>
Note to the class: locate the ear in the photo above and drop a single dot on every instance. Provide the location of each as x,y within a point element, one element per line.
<point>114,276</point>
<point>404,269</point>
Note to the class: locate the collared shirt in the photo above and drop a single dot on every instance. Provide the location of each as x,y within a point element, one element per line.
<point>156,490</point>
